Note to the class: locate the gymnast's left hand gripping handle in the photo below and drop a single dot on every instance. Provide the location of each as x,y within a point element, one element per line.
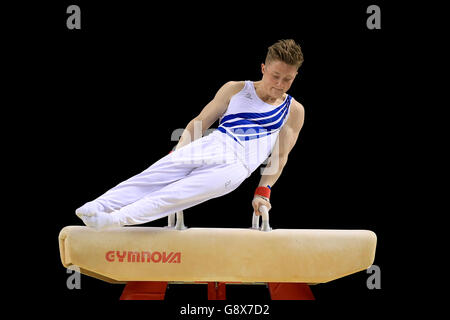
<point>265,219</point>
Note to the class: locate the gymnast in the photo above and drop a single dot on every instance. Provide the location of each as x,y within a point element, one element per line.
<point>258,121</point>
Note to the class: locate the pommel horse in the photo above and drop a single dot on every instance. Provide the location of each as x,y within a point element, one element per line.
<point>147,259</point>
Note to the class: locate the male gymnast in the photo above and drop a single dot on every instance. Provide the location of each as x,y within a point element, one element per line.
<point>256,120</point>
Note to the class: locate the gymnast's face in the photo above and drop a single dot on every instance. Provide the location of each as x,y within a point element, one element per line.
<point>277,77</point>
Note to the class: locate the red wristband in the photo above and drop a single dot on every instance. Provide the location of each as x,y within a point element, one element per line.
<point>263,191</point>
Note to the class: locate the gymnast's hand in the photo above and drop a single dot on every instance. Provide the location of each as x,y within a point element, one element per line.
<point>259,201</point>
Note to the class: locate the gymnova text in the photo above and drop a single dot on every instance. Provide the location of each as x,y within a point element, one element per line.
<point>143,256</point>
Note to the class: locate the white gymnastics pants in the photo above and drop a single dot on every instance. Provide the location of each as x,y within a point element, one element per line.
<point>195,173</point>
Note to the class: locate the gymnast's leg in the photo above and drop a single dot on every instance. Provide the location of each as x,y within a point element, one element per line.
<point>203,183</point>
<point>167,170</point>
<point>163,172</point>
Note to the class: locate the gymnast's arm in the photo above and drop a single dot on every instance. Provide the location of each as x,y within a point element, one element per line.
<point>286,140</point>
<point>210,113</point>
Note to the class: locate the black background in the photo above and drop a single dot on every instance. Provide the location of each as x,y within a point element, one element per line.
<point>101,103</point>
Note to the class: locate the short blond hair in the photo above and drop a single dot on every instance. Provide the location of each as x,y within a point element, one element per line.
<point>287,51</point>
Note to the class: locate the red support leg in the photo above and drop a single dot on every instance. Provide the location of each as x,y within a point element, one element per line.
<point>144,290</point>
<point>290,291</point>
<point>217,291</point>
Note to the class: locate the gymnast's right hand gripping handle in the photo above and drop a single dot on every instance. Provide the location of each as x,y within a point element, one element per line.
<point>265,219</point>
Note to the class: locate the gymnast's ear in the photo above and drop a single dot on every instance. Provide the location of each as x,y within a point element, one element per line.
<point>263,67</point>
